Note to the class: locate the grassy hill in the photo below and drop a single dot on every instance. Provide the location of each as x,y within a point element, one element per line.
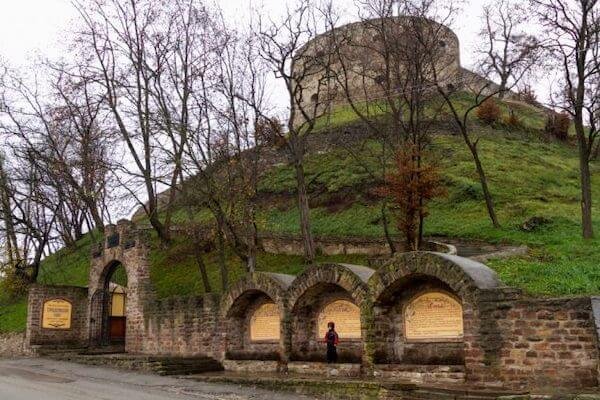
<point>530,176</point>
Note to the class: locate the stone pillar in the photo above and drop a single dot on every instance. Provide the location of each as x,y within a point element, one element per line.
<point>285,341</point>
<point>367,321</point>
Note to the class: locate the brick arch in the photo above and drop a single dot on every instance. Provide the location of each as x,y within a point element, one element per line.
<point>352,278</point>
<point>463,276</point>
<point>271,285</point>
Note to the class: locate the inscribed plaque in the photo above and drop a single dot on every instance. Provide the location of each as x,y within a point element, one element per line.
<point>433,316</point>
<point>265,323</point>
<point>56,314</point>
<point>346,317</point>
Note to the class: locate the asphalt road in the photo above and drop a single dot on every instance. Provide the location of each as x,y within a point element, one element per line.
<point>42,379</point>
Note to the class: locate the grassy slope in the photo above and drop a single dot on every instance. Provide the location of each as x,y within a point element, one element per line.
<point>528,177</point>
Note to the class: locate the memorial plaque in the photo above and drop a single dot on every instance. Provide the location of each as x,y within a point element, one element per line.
<point>56,314</point>
<point>433,316</point>
<point>345,315</point>
<point>265,323</point>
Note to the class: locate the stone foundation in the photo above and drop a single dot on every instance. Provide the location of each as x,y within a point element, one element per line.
<point>421,373</point>
<point>326,370</point>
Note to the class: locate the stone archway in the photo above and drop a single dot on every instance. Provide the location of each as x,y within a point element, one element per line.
<point>253,311</point>
<point>108,307</point>
<point>328,293</point>
<point>425,313</point>
<point>125,247</point>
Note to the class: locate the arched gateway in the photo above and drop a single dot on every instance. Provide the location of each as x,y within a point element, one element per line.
<point>119,285</point>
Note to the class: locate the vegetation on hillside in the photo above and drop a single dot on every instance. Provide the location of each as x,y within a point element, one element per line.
<point>530,175</point>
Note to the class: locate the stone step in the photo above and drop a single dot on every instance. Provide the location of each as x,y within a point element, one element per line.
<point>357,389</point>
<point>158,365</point>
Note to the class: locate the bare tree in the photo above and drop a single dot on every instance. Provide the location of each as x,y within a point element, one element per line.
<point>223,153</point>
<point>304,73</point>
<point>128,41</point>
<point>450,85</point>
<point>85,166</point>
<point>383,71</point>
<point>572,28</point>
<point>508,53</point>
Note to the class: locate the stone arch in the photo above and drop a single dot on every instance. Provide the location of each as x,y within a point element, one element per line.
<point>108,270</point>
<point>463,276</point>
<point>352,278</point>
<point>404,278</point>
<point>123,245</point>
<point>238,308</point>
<point>101,330</point>
<point>310,293</point>
<point>272,285</point>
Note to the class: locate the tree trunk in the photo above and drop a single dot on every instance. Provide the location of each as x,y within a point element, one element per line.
<point>96,216</point>
<point>586,182</point>
<point>201,264</point>
<point>309,244</point>
<point>502,89</point>
<point>222,260</point>
<point>159,227</point>
<point>489,201</point>
<point>386,228</point>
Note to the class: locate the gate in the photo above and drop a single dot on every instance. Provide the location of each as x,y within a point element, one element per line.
<point>99,319</point>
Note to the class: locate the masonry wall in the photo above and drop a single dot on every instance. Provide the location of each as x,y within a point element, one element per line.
<point>239,344</point>
<point>77,335</point>
<point>541,342</point>
<point>185,326</point>
<point>509,339</point>
<point>391,345</point>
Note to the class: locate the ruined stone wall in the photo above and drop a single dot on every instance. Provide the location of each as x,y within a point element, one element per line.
<point>293,245</point>
<point>76,335</point>
<point>359,46</point>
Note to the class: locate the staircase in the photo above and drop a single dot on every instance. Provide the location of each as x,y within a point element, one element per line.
<point>183,365</point>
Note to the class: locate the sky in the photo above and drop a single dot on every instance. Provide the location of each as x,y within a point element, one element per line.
<point>31,27</point>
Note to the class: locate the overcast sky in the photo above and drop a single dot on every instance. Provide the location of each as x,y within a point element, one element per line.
<point>28,27</point>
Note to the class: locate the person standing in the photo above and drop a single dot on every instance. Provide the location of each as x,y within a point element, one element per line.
<point>331,339</point>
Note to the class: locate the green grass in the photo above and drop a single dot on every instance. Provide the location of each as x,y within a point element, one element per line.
<point>531,117</point>
<point>528,177</point>
<point>13,317</point>
<point>174,271</point>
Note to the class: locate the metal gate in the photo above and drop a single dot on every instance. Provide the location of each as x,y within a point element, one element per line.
<point>99,318</point>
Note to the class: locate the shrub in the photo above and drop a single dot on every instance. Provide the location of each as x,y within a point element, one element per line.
<point>512,121</point>
<point>488,112</point>
<point>527,95</point>
<point>557,125</point>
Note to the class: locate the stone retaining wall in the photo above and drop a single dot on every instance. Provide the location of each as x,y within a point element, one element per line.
<point>544,342</point>
<point>13,345</point>
<point>374,247</point>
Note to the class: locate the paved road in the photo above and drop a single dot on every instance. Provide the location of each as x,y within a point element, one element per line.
<point>42,379</point>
